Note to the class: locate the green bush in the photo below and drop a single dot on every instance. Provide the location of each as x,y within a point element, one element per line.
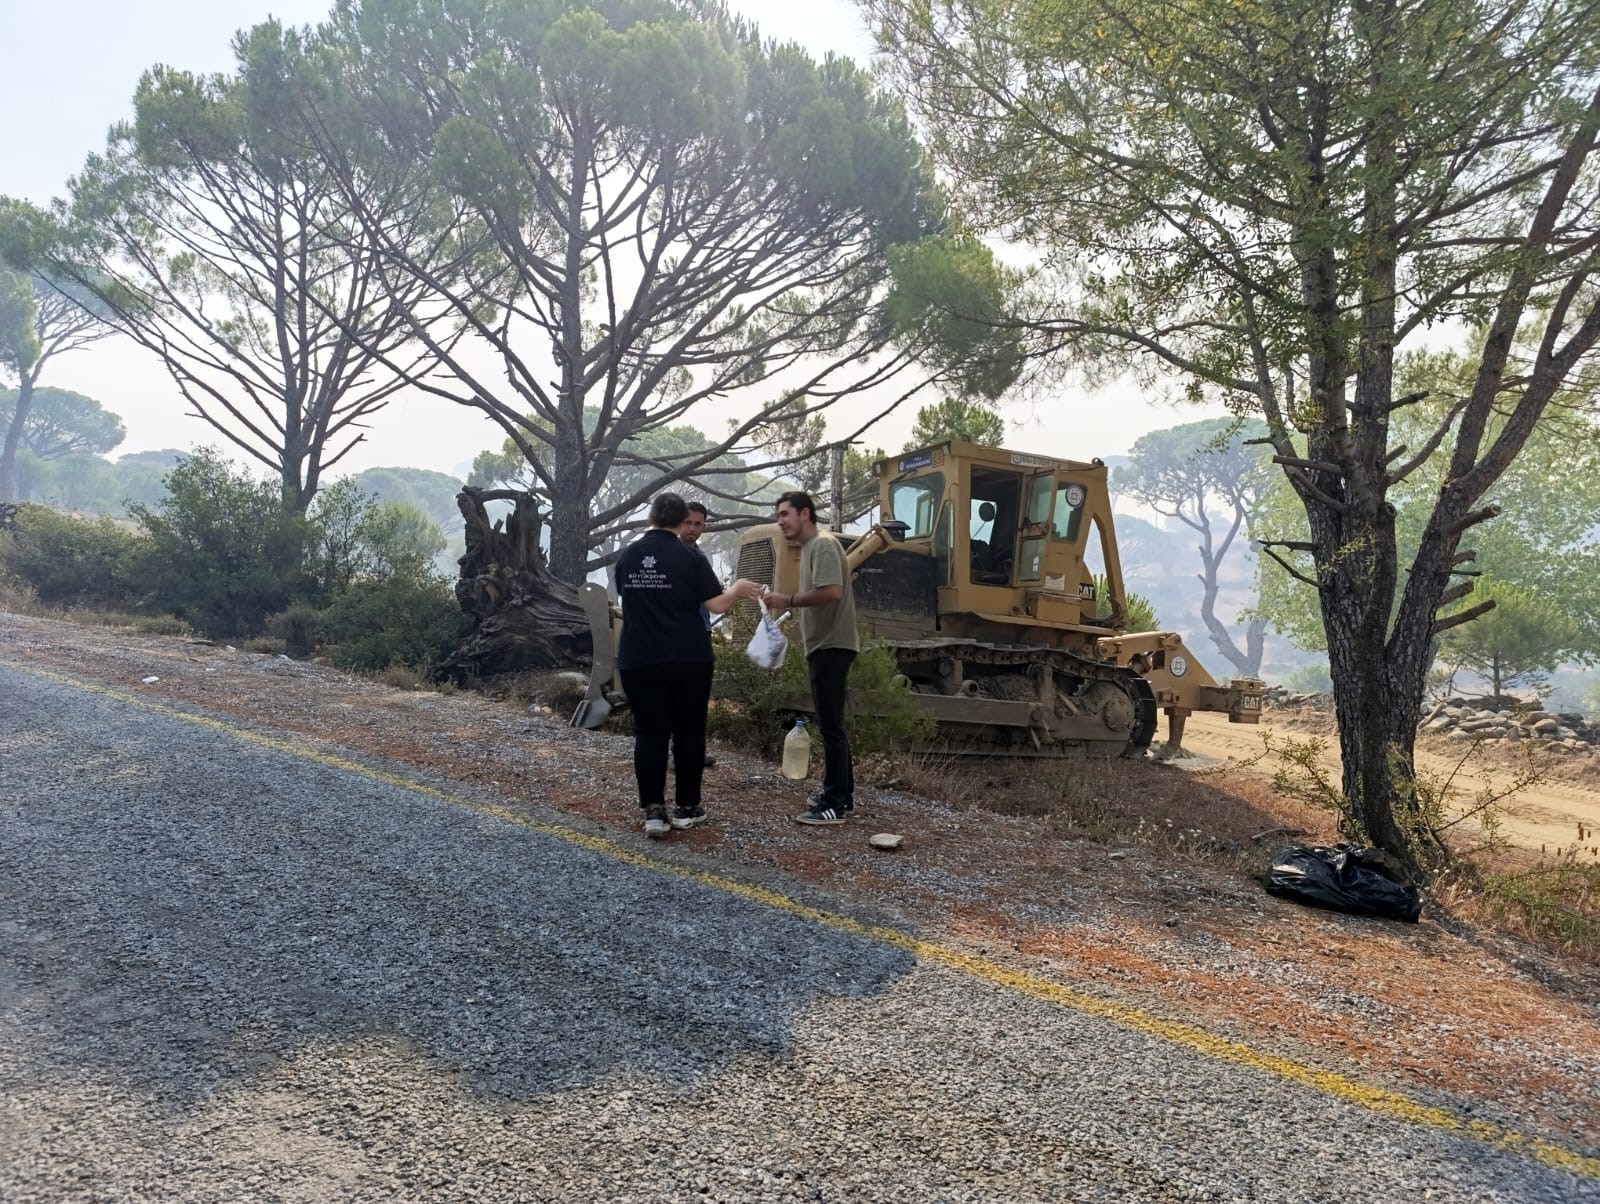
<point>411,618</point>
<point>221,551</point>
<point>69,561</point>
<point>1309,679</point>
<point>297,627</point>
<point>1141,614</point>
<point>885,718</point>
<point>161,625</point>
<point>755,706</point>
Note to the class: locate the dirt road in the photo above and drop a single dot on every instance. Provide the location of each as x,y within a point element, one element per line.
<point>1544,816</point>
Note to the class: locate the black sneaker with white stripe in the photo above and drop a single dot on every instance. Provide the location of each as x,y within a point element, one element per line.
<point>821,814</point>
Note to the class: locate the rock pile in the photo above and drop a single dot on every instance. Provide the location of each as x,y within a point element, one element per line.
<point>1288,700</point>
<point>1501,719</point>
<point>1459,719</point>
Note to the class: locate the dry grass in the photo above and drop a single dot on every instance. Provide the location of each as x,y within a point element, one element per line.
<point>19,598</point>
<point>1236,823</point>
<point>400,677</point>
<point>556,691</point>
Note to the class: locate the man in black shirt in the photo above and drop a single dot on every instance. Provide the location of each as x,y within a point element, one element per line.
<point>664,659</point>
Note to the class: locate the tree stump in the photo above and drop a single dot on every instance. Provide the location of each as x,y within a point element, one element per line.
<point>527,618</point>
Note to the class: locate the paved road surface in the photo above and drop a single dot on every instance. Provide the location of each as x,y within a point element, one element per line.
<point>228,972</point>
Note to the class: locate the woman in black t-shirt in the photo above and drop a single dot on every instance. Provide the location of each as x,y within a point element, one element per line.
<point>664,658</point>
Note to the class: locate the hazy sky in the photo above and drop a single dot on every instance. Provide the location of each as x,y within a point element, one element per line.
<point>71,68</point>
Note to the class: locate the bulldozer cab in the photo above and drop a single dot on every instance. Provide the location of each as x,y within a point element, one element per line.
<point>1016,537</point>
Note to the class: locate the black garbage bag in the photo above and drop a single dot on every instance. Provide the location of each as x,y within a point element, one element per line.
<point>1345,878</point>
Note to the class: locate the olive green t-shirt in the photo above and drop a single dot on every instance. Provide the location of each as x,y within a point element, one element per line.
<point>834,625</point>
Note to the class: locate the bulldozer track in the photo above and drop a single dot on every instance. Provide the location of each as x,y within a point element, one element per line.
<point>1067,667</point>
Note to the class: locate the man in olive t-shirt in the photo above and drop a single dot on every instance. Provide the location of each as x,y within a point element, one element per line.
<point>827,610</point>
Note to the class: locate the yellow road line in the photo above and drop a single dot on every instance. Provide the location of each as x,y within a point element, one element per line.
<point>1374,1099</point>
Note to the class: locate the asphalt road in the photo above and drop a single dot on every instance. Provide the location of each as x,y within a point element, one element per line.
<point>231,972</point>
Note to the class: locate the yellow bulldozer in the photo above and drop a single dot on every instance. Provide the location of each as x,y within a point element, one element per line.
<point>979,577</point>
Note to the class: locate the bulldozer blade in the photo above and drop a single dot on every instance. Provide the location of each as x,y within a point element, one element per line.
<point>591,713</point>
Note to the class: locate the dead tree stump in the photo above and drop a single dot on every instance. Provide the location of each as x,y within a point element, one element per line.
<point>527,618</point>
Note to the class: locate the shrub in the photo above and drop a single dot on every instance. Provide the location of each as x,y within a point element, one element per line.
<point>1309,679</point>
<point>884,718</point>
<point>69,561</point>
<point>297,628</point>
<point>221,552</point>
<point>16,595</point>
<point>1558,903</point>
<point>161,625</point>
<point>755,706</point>
<point>410,619</point>
<point>1141,614</point>
<point>400,677</point>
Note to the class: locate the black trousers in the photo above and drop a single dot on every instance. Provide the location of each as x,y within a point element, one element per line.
<point>830,670</point>
<point>669,703</point>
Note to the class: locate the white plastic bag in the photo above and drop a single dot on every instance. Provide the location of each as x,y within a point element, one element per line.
<point>769,645</point>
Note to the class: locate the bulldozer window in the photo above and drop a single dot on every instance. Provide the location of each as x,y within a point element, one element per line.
<point>915,502</point>
<point>1069,510</point>
<point>1030,548</point>
<point>992,525</point>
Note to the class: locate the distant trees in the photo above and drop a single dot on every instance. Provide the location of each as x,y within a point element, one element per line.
<point>40,319</point>
<point>61,423</point>
<point>1519,642</point>
<point>432,493</point>
<point>60,441</point>
<point>1187,473</point>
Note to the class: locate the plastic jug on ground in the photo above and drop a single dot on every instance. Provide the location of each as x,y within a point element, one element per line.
<point>797,751</point>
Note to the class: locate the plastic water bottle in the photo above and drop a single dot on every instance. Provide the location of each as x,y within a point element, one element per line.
<point>797,751</point>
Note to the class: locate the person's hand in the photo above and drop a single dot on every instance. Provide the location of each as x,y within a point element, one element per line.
<point>773,600</point>
<point>743,589</point>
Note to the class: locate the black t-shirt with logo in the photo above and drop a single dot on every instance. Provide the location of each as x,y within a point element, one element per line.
<point>662,581</point>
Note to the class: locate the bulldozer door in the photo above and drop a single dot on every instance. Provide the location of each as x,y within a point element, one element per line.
<point>993,512</point>
<point>1038,494</point>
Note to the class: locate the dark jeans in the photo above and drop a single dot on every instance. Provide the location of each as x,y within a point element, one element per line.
<point>669,710</point>
<point>830,669</point>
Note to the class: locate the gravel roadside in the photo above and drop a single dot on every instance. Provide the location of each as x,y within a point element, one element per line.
<point>234,973</point>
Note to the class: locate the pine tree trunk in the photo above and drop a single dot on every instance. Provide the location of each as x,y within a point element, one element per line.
<point>19,418</point>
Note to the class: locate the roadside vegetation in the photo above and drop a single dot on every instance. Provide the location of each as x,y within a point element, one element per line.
<point>219,557</point>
